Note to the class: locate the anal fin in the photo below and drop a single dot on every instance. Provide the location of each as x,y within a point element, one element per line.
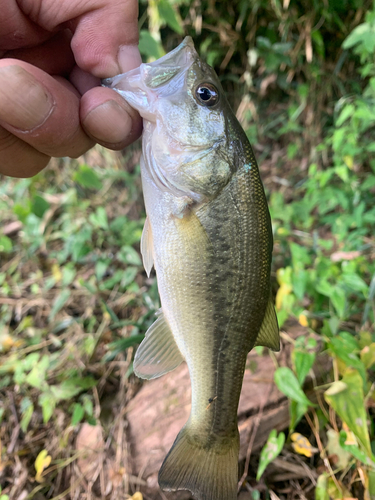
<point>146,247</point>
<point>268,335</point>
<point>158,353</point>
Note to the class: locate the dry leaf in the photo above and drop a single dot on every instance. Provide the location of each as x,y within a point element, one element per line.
<point>90,444</point>
<point>42,462</point>
<point>302,445</point>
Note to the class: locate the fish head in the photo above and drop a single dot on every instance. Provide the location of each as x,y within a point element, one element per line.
<point>185,116</point>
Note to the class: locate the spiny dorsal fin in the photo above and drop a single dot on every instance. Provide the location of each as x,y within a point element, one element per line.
<point>268,335</point>
<point>146,247</point>
<point>158,353</point>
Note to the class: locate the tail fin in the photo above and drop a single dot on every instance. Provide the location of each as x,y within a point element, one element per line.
<point>210,473</point>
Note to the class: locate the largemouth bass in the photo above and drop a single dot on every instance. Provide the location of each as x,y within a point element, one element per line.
<point>208,234</point>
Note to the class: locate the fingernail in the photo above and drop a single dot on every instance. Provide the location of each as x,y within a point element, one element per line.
<point>129,57</point>
<point>108,123</point>
<point>24,103</point>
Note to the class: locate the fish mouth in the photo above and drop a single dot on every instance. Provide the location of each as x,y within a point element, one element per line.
<point>143,86</point>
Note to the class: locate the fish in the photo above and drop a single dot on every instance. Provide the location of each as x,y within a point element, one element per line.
<point>208,235</point>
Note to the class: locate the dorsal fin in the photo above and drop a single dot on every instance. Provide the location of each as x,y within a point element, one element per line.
<point>146,247</point>
<point>268,335</point>
<point>158,353</point>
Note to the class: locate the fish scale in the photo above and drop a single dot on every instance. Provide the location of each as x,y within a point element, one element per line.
<point>208,234</point>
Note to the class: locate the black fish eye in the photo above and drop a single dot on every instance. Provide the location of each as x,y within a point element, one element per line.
<point>207,94</point>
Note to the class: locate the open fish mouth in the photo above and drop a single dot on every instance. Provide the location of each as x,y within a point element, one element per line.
<point>143,86</point>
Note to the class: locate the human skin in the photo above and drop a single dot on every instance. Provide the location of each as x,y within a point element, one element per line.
<point>52,57</point>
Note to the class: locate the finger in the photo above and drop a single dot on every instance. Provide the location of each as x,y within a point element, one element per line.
<point>109,119</point>
<point>54,56</point>
<point>41,110</point>
<point>105,32</point>
<point>18,159</point>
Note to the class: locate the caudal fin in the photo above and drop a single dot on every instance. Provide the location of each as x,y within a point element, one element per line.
<point>210,473</point>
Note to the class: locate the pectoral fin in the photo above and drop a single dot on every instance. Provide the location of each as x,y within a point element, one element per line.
<point>158,353</point>
<point>146,247</point>
<point>269,331</point>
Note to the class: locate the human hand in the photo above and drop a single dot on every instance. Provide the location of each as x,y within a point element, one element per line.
<point>53,55</point>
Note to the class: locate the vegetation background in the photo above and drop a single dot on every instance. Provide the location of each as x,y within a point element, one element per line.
<point>75,302</point>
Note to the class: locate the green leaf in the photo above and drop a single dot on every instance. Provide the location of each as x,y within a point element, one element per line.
<point>321,489</point>
<point>39,205</point>
<point>37,377</point>
<point>27,409</point>
<point>6,245</point>
<point>128,255</point>
<point>168,15</point>
<point>354,450</point>
<point>99,218</point>
<point>288,384</point>
<point>270,451</point>
<point>48,403</point>
<point>87,178</point>
<point>78,413</point>
<point>148,46</point>
<point>303,362</point>
<point>338,299</point>
<point>347,399</point>
<point>59,303</point>
<point>296,412</point>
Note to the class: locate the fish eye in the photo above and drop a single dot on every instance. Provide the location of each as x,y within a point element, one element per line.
<point>207,94</point>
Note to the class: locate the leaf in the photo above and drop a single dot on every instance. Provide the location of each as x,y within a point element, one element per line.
<point>302,445</point>
<point>87,178</point>
<point>78,413</point>
<point>270,451</point>
<point>347,399</point>
<point>42,461</point>
<point>39,206</point>
<point>303,362</point>
<point>288,384</point>
<point>168,15</point>
<point>27,409</point>
<point>338,300</point>
<point>321,489</point>
<point>296,411</point>
<point>37,377</point>
<point>99,218</point>
<point>59,303</point>
<point>6,244</point>
<point>338,455</point>
<point>148,46</point>
<point>128,255</point>
<point>354,450</point>
<point>48,403</point>
<point>368,355</point>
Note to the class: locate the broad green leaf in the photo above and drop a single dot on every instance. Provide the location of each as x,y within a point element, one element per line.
<point>6,244</point>
<point>168,15</point>
<point>338,299</point>
<point>288,384</point>
<point>59,303</point>
<point>368,355</point>
<point>296,412</point>
<point>270,451</point>
<point>78,413</point>
<point>128,255</point>
<point>347,399</point>
<point>27,409</point>
<point>321,489</point>
<point>37,377</point>
<point>303,362</point>
<point>148,46</point>
<point>87,178</point>
<point>354,450</point>
<point>48,403</point>
<point>39,205</point>
<point>99,218</point>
